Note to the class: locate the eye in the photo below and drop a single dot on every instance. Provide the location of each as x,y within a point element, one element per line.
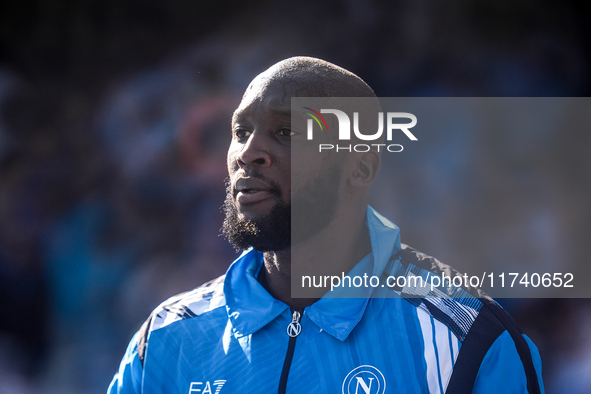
<point>285,132</point>
<point>241,134</point>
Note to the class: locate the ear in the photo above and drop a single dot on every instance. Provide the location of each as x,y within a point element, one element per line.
<point>366,168</point>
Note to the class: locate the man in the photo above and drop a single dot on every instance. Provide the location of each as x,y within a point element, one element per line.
<point>244,332</point>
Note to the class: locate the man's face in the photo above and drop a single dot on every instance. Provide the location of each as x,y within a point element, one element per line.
<point>258,204</point>
<point>259,189</point>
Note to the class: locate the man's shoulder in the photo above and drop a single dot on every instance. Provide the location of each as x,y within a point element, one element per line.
<point>414,260</point>
<point>188,305</point>
<point>456,304</point>
<point>193,303</point>
<point>412,273</point>
<point>475,318</point>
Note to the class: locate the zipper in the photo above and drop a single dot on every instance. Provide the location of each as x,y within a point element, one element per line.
<point>293,330</point>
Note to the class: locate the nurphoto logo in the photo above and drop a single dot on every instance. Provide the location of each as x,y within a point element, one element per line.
<point>345,130</point>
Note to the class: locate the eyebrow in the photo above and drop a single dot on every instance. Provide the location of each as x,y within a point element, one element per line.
<point>286,111</point>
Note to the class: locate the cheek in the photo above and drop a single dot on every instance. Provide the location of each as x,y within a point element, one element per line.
<point>285,169</point>
<point>231,161</point>
<point>287,193</point>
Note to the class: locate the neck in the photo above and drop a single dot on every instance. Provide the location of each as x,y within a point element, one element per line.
<point>333,251</point>
<point>276,278</point>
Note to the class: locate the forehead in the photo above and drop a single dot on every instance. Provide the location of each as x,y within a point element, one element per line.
<point>270,95</point>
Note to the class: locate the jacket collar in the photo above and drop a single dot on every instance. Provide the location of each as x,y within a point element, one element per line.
<point>250,307</point>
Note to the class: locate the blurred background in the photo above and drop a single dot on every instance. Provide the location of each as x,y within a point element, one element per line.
<point>114,125</point>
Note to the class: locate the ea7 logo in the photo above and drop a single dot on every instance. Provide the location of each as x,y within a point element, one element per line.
<point>345,124</point>
<point>206,387</point>
<point>364,379</point>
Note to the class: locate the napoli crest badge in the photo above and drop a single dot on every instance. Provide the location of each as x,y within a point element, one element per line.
<point>364,379</point>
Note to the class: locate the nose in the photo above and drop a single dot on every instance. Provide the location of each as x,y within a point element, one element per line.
<point>255,152</point>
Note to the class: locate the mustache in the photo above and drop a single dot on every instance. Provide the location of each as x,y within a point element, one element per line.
<point>254,174</point>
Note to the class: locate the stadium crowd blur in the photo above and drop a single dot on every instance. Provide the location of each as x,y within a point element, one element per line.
<point>114,126</point>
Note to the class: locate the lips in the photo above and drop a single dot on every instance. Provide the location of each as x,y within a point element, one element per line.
<point>252,190</point>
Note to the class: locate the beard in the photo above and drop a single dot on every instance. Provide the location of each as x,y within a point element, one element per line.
<point>314,206</point>
<point>270,232</point>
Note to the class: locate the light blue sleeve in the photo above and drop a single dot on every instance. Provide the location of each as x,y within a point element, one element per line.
<point>128,380</point>
<point>502,371</point>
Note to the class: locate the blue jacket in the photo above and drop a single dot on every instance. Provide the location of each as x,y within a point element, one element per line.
<point>231,336</point>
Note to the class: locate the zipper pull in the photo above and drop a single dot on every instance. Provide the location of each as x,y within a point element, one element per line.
<point>294,328</point>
